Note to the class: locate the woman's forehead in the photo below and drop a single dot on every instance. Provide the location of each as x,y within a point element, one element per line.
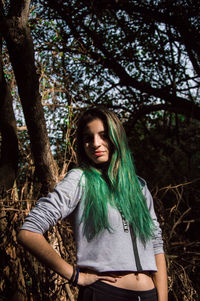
<point>95,125</point>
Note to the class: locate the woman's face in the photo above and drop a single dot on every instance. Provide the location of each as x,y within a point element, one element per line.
<point>96,142</point>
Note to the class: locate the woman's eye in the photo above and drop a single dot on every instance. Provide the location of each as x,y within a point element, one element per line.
<point>87,138</point>
<point>104,136</point>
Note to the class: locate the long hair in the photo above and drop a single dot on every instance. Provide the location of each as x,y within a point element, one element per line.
<point>117,184</point>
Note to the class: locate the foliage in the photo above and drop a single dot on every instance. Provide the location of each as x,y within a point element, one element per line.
<point>129,55</point>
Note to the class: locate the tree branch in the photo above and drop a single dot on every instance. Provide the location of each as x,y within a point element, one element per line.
<point>180,108</point>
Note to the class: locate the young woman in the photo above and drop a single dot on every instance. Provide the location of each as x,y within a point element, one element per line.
<point>119,245</point>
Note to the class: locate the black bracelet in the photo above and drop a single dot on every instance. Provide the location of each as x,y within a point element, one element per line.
<point>71,280</point>
<point>75,282</point>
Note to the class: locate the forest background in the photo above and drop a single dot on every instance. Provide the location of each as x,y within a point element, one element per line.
<point>138,58</point>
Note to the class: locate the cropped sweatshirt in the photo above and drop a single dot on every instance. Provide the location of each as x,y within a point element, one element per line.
<point>114,250</point>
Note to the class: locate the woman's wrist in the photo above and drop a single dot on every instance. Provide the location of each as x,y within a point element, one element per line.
<point>75,276</point>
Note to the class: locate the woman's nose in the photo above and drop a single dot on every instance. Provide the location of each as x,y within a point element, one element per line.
<point>96,141</point>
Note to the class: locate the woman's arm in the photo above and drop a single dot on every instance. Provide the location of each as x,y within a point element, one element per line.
<point>40,248</point>
<point>57,205</point>
<point>160,278</point>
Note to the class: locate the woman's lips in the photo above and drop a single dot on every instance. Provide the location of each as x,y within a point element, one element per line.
<point>97,154</point>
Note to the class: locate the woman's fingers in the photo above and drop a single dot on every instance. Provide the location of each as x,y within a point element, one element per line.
<point>108,278</point>
<point>89,278</point>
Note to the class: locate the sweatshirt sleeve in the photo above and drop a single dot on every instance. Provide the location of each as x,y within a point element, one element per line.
<point>157,237</point>
<point>57,205</point>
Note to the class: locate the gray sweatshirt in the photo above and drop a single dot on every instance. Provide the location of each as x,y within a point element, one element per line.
<point>109,250</point>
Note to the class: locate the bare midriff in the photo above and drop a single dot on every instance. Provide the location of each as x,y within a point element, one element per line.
<point>128,280</point>
<point>132,281</point>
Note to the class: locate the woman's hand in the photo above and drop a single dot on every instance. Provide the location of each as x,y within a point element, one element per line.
<point>89,278</point>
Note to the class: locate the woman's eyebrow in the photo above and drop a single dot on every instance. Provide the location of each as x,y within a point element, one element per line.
<point>87,132</point>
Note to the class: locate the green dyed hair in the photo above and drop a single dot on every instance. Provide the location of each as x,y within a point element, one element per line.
<point>115,183</point>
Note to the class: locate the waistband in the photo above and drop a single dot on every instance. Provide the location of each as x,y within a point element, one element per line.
<point>117,273</point>
<point>125,293</point>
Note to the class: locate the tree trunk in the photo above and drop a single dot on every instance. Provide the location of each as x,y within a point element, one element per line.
<point>8,130</point>
<point>20,47</point>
